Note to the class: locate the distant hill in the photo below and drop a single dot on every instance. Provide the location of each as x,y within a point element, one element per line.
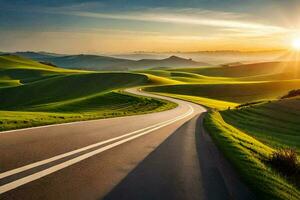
<point>91,62</point>
<point>95,62</point>
<point>36,55</point>
<point>263,70</point>
<point>170,62</point>
<point>211,57</point>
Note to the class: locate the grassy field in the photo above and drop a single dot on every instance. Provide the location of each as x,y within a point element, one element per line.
<point>15,69</point>
<point>239,92</point>
<point>276,123</point>
<point>248,70</point>
<point>120,105</point>
<point>207,102</point>
<point>35,94</point>
<point>247,155</point>
<point>223,87</point>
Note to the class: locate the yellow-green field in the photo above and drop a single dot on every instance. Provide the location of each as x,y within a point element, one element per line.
<point>37,94</point>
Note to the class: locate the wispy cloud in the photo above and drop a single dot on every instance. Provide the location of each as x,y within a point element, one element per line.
<point>184,16</point>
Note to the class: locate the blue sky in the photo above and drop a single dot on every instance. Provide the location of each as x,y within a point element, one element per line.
<point>116,26</point>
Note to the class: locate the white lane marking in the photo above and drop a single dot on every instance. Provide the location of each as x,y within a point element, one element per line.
<point>42,162</point>
<point>50,170</point>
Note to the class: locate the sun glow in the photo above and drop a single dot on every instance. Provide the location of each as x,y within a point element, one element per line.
<point>296,44</point>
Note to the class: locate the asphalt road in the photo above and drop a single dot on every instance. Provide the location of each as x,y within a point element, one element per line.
<point>165,155</point>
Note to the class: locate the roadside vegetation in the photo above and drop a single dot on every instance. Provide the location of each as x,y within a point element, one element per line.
<point>275,123</point>
<point>249,157</point>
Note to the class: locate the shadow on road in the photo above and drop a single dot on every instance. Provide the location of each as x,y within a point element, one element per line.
<point>186,166</point>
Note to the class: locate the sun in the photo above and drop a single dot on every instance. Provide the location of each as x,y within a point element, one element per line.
<point>296,44</point>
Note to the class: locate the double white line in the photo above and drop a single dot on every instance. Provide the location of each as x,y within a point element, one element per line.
<point>127,137</point>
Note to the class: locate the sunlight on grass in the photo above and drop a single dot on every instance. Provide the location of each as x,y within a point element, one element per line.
<point>247,156</point>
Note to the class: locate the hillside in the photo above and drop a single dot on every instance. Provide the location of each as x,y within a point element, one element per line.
<point>16,70</point>
<point>66,88</point>
<point>95,62</point>
<point>213,57</point>
<point>36,55</point>
<point>233,92</point>
<point>276,123</point>
<point>290,69</point>
<point>8,61</point>
<point>248,155</point>
<point>90,62</point>
<point>35,94</point>
<point>170,62</point>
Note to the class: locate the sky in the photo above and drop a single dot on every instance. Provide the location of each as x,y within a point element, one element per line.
<point>123,26</point>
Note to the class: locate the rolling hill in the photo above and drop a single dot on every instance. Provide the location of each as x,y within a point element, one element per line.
<point>237,92</point>
<point>292,69</point>
<point>248,155</point>
<point>213,57</point>
<point>95,62</point>
<point>16,70</point>
<point>275,123</point>
<point>36,55</point>
<point>66,88</point>
<point>33,94</point>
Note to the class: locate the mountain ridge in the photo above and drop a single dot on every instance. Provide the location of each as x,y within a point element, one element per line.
<point>98,62</point>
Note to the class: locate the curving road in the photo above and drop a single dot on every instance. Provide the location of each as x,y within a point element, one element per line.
<point>165,155</point>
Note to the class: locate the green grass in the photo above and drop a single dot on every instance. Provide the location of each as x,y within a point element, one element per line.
<point>276,123</point>
<point>114,104</point>
<point>232,92</point>
<point>210,103</point>
<point>247,70</point>
<point>247,155</point>
<point>7,83</point>
<point>35,94</point>
<point>66,88</point>
<point>158,80</point>
<point>22,70</point>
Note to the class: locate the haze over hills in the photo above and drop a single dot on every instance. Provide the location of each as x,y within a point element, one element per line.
<point>213,57</point>
<point>146,60</point>
<point>37,55</point>
<point>96,62</point>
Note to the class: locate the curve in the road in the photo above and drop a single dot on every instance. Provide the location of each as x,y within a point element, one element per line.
<point>182,163</point>
<point>117,141</point>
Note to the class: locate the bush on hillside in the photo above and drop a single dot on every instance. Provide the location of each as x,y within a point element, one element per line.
<point>248,104</point>
<point>286,162</point>
<point>292,93</point>
<point>48,63</point>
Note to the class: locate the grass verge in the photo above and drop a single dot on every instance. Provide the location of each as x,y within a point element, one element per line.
<point>247,155</point>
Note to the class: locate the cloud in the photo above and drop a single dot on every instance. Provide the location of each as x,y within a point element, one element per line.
<point>195,17</point>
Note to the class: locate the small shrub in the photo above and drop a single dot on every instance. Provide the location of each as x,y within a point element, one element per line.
<point>292,93</point>
<point>286,162</point>
<point>248,104</point>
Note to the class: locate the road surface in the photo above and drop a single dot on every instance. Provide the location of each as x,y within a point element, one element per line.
<point>165,155</point>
